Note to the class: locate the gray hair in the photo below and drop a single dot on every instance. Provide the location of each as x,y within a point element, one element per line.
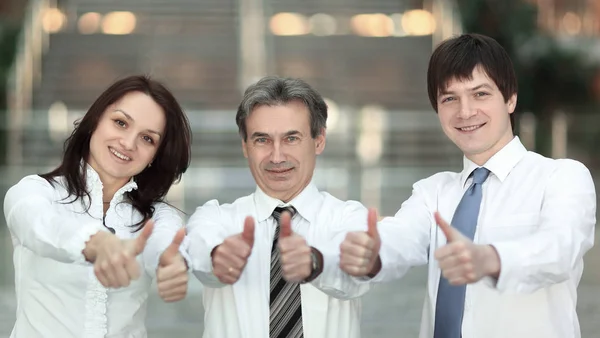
<point>274,91</point>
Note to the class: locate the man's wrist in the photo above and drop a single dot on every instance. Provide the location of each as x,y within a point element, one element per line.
<point>212,256</point>
<point>492,261</point>
<point>185,262</point>
<point>376,268</point>
<point>316,258</point>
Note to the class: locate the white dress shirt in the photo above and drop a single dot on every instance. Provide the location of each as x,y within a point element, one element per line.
<point>57,292</point>
<point>242,309</point>
<point>537,212</point>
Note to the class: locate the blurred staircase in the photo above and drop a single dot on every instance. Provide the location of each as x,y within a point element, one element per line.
<point>193,45</point>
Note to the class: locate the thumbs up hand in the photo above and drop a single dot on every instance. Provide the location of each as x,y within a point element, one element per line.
<point>171,274</point>
<point>359,253</point>
<point>115,262</point>
<point>463,261</point>
<point>230,257</point>
<point>296,260</point>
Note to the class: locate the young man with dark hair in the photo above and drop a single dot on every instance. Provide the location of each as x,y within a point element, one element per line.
<point>509,261</point>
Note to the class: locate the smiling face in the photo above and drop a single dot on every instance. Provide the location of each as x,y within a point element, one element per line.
<point>280,150</point>
<point>475,116</point>
<point>126,138</point>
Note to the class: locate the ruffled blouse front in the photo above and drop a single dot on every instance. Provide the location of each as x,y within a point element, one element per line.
<point>58,294</point>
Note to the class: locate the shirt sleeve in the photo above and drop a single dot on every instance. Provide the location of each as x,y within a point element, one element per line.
<point>332,280</point>
<point>405,238</point>
<point>167,221</point>
<point>204,232</point>
<point>565,233</point>
<point>36,224</point>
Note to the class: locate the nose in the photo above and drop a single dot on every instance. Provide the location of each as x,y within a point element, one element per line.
<point>467,109</point>
<point>277,155</point>
<point>128,141</point>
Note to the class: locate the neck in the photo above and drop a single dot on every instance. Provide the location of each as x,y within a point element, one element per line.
<point>481,158</point>
<point>109,189</point>
<point>110,185</point>
<point>287,196</point>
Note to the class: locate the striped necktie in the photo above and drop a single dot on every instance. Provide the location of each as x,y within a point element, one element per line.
<point>285,306</point>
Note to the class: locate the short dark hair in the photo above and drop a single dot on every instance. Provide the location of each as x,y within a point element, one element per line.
<point>457,57</point>
<point>273,91</point>
<point>171,160</point>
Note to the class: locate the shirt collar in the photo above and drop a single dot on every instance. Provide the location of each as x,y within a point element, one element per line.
<point>306,203</point>
<point>94,184</point>
<point>500,164</point>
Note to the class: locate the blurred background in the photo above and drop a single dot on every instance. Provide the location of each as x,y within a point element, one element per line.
<point>368,58</point>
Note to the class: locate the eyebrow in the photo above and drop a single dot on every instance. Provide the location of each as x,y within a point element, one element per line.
<point>262,134</point>
<point>483,85</point>
<point>259,134</point>
<point>292,132</point>
<point>476,88</point>
<point>128,117</point>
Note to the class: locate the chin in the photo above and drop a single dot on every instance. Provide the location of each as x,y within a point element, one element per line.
<point>279,185</point>
<point>471,146</point>
<point>122,172</point>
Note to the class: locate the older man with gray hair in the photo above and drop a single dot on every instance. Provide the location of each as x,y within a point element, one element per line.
<point>269,261</point>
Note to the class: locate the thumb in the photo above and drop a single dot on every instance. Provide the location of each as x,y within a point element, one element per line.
<point>173,249</point>
<point>248,234</point>
<point>448,230</point>
<point>286,225</point>
<point>140,242</point>
<point>372,223</point>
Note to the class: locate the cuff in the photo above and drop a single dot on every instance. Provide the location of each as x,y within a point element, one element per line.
<point>76,244</point>
<point>198,254</point>
<point>329,280</point>
<point>510,261</point>
<point>183,250</point>
<point>379,277</point>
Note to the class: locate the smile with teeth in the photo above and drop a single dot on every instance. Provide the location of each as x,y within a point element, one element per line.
<point>471,128</point>
<point>119,155</point>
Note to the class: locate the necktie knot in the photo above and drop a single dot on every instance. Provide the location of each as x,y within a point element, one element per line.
<point>279,210</point>
<point>480,175</point>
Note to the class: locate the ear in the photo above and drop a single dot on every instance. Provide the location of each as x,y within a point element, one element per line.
<point>320,141</point>
<point>512,103</point>
<point>244,145</point>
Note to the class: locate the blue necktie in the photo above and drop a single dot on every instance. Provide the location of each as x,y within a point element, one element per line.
<point>451,299</point>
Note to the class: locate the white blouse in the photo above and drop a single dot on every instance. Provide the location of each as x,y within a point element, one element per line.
<point>58,294</point>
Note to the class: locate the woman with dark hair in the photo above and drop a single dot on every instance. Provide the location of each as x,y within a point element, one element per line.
<point>90,235</point>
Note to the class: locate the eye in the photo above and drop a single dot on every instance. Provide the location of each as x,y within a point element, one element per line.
<point>120,123</point>
<point>292,138</point>
<point>447,99</point>
<point>261,140</point>
<point>148,139</point>
<point>480,94</point>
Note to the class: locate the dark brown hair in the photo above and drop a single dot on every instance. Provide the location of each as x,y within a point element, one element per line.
<point>170,162</point>
<point>456,58</point>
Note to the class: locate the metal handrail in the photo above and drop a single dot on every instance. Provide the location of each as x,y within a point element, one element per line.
<point>23,74</point>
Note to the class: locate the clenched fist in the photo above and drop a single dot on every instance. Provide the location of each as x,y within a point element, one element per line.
<point>115,263</point>
<point>171,274</point>
<point>359,253</point>
<point>230,257</point>
<point>296,260</point>
<point>463,261</point>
